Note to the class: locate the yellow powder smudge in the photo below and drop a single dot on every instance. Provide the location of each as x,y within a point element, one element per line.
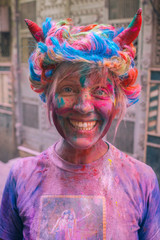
<point>110,161</point>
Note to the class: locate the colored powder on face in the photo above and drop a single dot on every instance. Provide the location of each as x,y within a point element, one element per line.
<point>83,74</point>
<point>109,81</point>
<point>82,80</point>
<point>60,102</point>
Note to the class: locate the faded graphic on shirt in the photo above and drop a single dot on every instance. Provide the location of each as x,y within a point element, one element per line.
<point>72,218</point>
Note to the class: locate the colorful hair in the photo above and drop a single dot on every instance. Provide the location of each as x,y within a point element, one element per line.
<point>103,45</point>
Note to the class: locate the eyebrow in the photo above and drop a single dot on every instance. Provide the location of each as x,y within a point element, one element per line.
<point>69,79</point>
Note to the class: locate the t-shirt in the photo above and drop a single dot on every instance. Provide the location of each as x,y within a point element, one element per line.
<point>113,198</point>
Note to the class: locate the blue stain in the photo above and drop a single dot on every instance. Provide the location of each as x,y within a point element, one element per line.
<point>43,97</point>
<point>34,75</point>
<point>46,26</point>
<point>75,137</point>
<point>37,188</point>
<point>82,80</point>
<point>59,102</point>
<point>118,31</point>
<point>101,48</point>
<point>43,47</point>
<point>83,73</point>
<point>49,73</point>
<point>109,81</point>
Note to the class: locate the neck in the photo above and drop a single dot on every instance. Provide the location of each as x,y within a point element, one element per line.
<point>81,156</point>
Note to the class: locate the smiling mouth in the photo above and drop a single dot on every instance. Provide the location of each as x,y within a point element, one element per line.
<point>87,126</point>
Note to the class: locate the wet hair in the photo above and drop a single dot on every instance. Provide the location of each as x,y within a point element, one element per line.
<point>66,45</point>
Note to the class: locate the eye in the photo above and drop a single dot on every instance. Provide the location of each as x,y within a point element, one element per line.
<point>67,90</point>
<point>100,92</point>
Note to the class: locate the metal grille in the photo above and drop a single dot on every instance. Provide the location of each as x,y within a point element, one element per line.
<point>5,89</point>
<point>27,47</point>
<point>5,44</point>
<point>122,8</point>
<point>30,115</point>
<point>152,144</point>
<point>154,103</point>
<point>153,159</point>
<point>157,60</point>
<point>153,108</point>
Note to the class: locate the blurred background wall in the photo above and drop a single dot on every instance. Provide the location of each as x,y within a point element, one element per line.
<point>24,129</point>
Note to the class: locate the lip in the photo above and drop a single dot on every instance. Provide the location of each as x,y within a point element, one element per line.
<point>83,131</point>
<point>83,119</point>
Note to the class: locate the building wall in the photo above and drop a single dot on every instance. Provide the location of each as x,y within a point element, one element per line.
<point>37,134</point>
<point>152,131</point>
<point>7,118</point>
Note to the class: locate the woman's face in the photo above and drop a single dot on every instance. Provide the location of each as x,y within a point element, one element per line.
<point>83,108</point>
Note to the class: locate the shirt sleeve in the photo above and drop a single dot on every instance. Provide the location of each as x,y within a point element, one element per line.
<point>150,227</point>
<point>11,227</point>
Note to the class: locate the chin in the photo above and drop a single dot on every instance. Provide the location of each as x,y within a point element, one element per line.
<point>81,143</point>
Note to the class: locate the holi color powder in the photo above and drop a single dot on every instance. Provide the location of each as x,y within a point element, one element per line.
<point>72,217</point>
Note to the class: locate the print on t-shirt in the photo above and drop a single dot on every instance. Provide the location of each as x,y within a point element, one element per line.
<point>65,217</point>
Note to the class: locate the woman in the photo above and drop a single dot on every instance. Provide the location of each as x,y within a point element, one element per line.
<point>62,227</point>
<point>86,76</point>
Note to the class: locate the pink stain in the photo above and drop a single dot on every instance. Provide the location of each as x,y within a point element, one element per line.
<point>83,168</point>
<point>116,180</point>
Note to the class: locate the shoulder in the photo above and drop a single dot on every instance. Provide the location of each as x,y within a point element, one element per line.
<point>26,167</point>
<point>133,169</point>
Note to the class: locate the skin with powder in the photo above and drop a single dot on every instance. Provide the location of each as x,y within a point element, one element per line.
<point>84,117</point>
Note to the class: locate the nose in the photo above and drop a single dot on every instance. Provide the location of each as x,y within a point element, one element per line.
<point>84,103</point>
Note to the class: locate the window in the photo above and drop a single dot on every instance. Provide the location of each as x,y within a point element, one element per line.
<point>5,44</point>
<point>30,115</point>
<point>27,10</point>
<point>5,89</point>
<point>157,44</point>
<point>154,103</point>
<point>5,38</point>
<point>27,47</point>
<point>122,8</point>
<point>123,140</point>
<point>152,142</point>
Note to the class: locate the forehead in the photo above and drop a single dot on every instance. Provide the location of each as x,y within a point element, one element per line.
<point>83,74</point>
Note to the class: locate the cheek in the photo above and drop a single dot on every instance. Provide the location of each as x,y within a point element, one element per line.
<point>104,108</point>
<point>63,104</point>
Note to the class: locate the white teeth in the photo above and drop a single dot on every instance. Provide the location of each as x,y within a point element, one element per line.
<point>83,125</point>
